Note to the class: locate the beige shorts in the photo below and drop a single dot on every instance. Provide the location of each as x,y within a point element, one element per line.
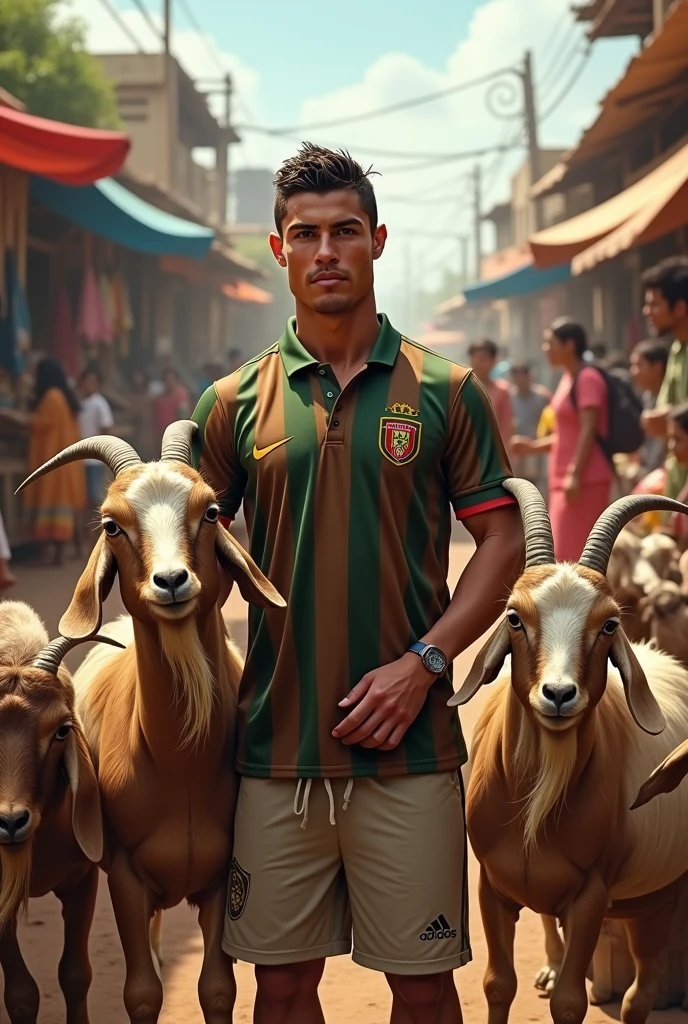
<point>383,858</point>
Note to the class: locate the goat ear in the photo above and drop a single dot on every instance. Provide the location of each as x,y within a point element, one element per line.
<point>85,613</point>
<point>240,567</point>
<point>641,701</point>
<point>486,666</point>
<point>665,777</point>
<point>87,820</point>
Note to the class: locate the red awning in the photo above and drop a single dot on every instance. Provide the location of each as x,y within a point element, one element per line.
<point>61,152</point>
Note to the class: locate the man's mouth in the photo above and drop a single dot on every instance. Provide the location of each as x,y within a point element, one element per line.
<point>327,277</point>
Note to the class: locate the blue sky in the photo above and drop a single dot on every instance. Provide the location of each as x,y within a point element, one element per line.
<point>295,62</point>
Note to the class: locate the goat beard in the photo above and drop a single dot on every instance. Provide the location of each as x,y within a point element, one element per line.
<point>548,759</point>
<point>192,677</point>
<point>15,880</point>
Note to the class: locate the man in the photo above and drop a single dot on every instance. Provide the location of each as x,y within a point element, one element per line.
<point>347,443</point>
<point>648,367</point>
<point>666,307</point>
<point>95,417</point>
<point>528,405</point>
<point>483,358</point>
<point>171,404</point>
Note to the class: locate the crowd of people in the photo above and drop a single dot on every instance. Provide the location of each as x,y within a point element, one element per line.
<point>59,411</point>
<point>559,441</point>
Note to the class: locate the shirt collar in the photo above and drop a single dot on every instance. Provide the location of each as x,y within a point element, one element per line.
<point>295,357</point>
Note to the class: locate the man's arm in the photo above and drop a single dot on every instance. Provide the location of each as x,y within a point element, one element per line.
<point>388,700</point>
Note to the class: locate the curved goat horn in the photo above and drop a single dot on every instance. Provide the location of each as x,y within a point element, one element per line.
<point>50,658</point>
<point>176,442</point>
<point>113,451</point>
<point>536,524</point>
<point>598,546</point>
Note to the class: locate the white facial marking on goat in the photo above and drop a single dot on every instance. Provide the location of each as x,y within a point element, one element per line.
<point>563,602</point>
<point>159,497</point>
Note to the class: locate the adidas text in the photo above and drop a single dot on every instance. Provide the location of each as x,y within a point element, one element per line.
<point>438,929</point>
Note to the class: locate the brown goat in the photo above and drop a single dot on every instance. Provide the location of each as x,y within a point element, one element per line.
<point>51,835</point>
<point>557,759</point>
<point>160,716</point>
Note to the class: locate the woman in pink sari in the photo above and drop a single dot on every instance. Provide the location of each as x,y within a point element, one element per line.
<point>580,474</point>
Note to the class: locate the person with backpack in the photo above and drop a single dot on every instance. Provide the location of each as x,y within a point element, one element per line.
<point>597,415</point>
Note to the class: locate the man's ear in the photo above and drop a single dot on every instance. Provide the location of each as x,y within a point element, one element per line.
<point>379,241</point>
<point>277,246</point>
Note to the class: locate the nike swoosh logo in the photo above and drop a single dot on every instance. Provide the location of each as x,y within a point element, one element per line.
<point>260,453</point>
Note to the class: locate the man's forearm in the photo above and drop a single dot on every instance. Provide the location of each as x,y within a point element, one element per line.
<point>480,594</point>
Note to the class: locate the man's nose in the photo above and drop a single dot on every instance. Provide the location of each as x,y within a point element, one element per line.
<point>326,250</point>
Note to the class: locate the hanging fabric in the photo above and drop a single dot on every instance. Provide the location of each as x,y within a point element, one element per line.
<point>91,324</point>
<point>15,323</point>
<point>64,343</point>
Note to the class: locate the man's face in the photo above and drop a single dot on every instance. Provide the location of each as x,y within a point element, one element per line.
<point>646,375</point>
<point>170,380</point>
<point>328,249</point>
<point>659,313</point>
<point>521,380</point>
<point>89,385</point>
<point>482,364</point>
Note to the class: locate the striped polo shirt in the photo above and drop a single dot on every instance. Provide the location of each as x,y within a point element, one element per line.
<point>347,497</point>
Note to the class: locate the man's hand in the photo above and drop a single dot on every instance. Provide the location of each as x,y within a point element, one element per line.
<point>519,445</point>
<point>654,422</point>
<point>388,700</point>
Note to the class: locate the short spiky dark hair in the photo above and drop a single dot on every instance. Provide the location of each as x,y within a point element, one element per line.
<point>670,277</point>
<point>317,169</point>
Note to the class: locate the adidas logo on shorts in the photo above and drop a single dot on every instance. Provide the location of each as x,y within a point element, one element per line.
<point>438,929</point>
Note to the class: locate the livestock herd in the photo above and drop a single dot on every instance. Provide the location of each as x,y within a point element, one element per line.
<point>128,766</point>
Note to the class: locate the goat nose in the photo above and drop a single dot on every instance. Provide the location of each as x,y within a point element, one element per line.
<point>558,695</point>
<point>11,825</point>
<point>171,580</point>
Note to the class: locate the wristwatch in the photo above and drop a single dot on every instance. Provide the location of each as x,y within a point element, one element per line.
<point>432,657</point>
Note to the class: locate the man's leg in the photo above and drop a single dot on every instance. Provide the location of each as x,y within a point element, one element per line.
<point>420,1000</point>
<point>404,850</point>
<point>289,995</point>
<point>287,907</point>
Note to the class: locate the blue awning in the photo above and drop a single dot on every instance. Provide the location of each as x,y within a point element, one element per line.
<point>520,282</point>
<point>108,209</point>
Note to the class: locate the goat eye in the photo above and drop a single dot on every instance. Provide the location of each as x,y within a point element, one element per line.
<point>610,627</point>
<point>111,528</point>
<point>63,732</point>
<point>212,514</point>
<point>514,620</point>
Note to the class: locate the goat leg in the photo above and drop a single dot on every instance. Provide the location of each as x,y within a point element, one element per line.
<point>647,937</point>
<point>554,951</point>
<point>75,974</point>
<point>499,925</point>
<point>582,925</point>
<point>22,997</point>
<point>216,984</point>
<point>133,907</point>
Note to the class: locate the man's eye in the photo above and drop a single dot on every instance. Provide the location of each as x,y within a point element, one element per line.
<point>346,231</point>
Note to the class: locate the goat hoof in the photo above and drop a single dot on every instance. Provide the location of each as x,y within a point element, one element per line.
<point>546,978</point>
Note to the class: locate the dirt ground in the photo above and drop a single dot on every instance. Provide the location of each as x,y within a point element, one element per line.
<point>350,994</point>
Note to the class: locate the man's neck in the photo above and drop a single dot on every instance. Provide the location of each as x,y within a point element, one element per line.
<point>344,340</point>
<point>681,333</point>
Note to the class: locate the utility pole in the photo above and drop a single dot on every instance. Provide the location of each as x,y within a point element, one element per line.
<point>222,159</point>
<point>168,24</point>
<point>530,117</point>
<point>478,219</point>
<point>463,266</point>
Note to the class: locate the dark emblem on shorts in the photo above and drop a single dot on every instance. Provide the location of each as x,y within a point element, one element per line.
<point>239,885</point>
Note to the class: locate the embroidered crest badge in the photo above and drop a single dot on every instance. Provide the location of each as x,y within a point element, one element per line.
<point>399,439</point>
<point>239,886</point>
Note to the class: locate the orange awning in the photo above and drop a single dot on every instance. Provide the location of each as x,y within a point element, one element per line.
<point>242,291</point>
<point>652,207</point>
<point>61,152</point>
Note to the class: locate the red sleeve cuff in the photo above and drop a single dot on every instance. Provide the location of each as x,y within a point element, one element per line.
<point>226,521</point>
<point>486,506</point>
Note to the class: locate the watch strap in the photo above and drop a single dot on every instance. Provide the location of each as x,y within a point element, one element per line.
<point>418,648</point>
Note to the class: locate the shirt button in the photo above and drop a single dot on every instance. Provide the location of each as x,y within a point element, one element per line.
<point>321,372</point>
<point>330,394</point>
<point>335,423</point>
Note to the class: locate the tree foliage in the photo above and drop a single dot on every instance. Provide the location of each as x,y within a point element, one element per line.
<point>44,63</point>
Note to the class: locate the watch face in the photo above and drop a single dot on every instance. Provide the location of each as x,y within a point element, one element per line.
<point>434,660</point>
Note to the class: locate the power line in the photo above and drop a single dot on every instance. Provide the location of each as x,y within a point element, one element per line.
<point>554,31</point>
<point>148,20</point>
<point>559,59</point>
<point>117,17</point>
<point>210,50</point>
<point>568,87</point>
<point>383,111</point>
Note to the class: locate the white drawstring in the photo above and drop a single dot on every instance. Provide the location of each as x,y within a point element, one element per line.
<point>303,809</point>
<point>304,805</point>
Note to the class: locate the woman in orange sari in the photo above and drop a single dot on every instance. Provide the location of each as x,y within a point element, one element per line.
<point>53,502</point>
